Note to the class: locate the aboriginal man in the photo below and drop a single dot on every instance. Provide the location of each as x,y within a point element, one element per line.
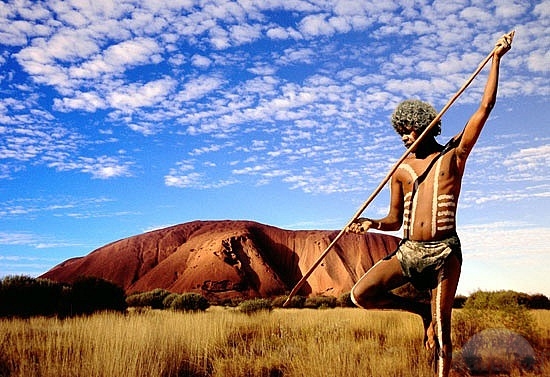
<point>424,194</point>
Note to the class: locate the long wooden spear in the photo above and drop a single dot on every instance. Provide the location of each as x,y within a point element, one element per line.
<point>389,175</point>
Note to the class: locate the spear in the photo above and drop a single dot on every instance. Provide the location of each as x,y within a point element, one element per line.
<point>391,172</point>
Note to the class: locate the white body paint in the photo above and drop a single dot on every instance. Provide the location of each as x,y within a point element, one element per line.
<point>440,361</point>
<point>443,206</point>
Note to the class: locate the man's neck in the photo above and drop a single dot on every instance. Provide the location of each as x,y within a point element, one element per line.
<point>427,147</point>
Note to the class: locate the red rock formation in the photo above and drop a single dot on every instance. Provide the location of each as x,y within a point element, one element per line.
<point>224,259</point>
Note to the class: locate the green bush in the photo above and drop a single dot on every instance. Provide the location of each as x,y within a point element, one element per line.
<point>167,302</point>
<point>134,300</point>
<point>344,300</point>
<point>90,294</point>
<point>153,299</point>
<point>24,296</point>
<point>190,302</point>
<point>230,302</point>
<point>496,300</point>
<point>255,306</point>
<point>459,302</point>
<point>295,301</point>
<point>539,301</point>
<point>494,310</point>
<point>318,302</point>
<point>500,299</point>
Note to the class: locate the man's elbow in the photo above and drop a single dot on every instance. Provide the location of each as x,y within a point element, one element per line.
<point>394,225</point>
<point>487,106</point>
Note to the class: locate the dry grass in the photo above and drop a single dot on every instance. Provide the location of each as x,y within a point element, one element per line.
<point>222,343</point>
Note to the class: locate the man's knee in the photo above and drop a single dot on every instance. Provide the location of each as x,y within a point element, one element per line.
<point>365,298</point>
<point>355,298</point>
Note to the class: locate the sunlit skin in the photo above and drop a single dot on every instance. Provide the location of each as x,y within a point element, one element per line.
<point>428,215</point>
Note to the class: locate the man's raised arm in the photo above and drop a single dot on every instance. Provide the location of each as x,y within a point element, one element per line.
<point>475,124</point>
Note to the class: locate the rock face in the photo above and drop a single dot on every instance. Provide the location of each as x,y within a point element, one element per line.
<point>227,259</point>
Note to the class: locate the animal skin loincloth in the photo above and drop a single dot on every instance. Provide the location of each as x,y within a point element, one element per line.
<point>421,261</point>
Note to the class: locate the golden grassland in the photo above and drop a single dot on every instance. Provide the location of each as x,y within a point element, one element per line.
<point>222,342</point>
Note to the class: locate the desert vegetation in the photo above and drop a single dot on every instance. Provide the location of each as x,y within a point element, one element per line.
<point>225,342</point>
<point>166,334</point>
<point>23,296</point>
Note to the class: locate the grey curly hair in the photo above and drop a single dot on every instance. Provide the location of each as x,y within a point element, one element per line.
<point>416,115</point>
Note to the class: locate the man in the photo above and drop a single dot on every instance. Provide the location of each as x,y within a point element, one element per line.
<point>423,199</point>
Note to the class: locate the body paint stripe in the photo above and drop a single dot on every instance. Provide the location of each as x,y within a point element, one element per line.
<point>440,358</point>
<point>435,197</point>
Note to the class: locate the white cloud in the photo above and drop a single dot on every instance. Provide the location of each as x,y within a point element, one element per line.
<point>133,52</point>
<point>174,179</point>
<point>219,38</point>
<point>316,25</point>
<point>30,240</point>
<point>69,45</point>
<point>530,163</point>
<point>198,88</point>
<point>511,8</point>
<point>539,61</point>
<point>200,61</point>
<point>242,34</point>
<point>17,238</point>
<point>103,167</point>
<point>87,101</point>
<point>137,95</point>
<point>145,128</point>
<point>506,241</point>
<point>282,33</point>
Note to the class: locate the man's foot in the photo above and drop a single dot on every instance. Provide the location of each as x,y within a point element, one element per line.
<point>429,331</point>
<point>430,340</point>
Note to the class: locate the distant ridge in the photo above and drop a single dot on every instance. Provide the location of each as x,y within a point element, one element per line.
<point>229,259</point>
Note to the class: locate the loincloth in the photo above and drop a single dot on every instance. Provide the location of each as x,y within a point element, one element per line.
<point>421,261</point>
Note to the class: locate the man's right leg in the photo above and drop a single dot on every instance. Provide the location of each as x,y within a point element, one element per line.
<point>372,291</point>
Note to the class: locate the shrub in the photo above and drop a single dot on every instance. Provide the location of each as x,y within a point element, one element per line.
<point>295,301</point>
<point>230,302</point>
<point>459,302</point>
<point>190,302</point>
<point>490,310</point>
<point>134,300</point>
<point>320,302</point>
<point>91,294</point>
<point>539,301</point>
<point>168,300</point>
<point>24,296</point>
<point>153,299</point>
<point>255,306</point>
<point>344,300</point>
<point>496,300</point>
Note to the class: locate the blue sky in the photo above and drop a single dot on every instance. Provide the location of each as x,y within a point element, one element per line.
<point>119,117</point>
